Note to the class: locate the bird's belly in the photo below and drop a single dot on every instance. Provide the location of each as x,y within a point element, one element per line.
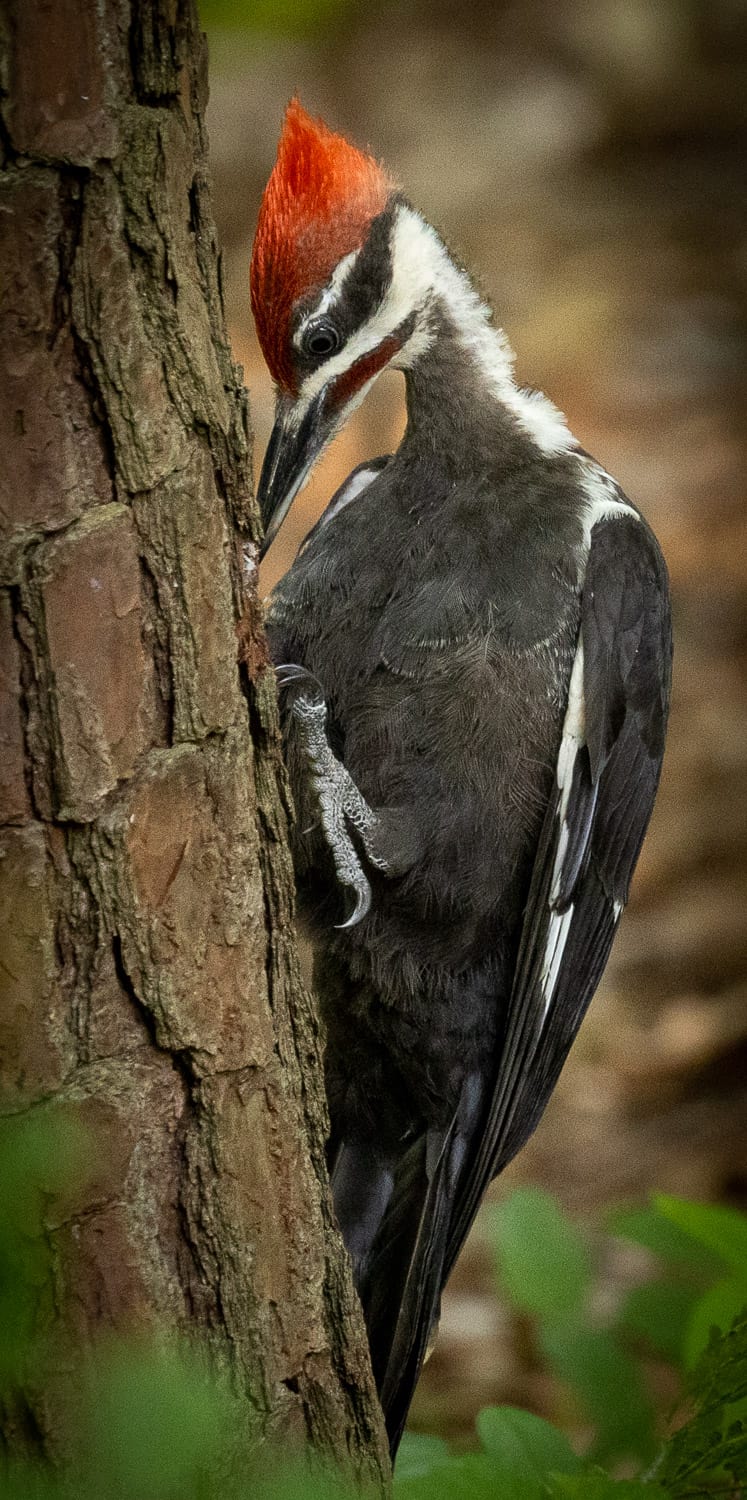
<point>423,983</point>
<point>462,736</point>
<point>468,755</point>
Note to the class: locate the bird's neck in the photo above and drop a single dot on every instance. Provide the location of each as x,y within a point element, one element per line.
<point>459,366</point>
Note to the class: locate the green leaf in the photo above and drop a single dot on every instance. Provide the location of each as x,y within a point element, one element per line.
<point>27,1481</point>
<point>525,1443</point>
<point>594,1484</point>
<point>659,1312</point>
<point>474,1476</point>
<point>665,1239</point>
<point>275,17</point>
<point>520,1451</point>
<point>43,1159</point>
<point>721,1372</point>
<point>157,1425</point>
<point>609,1388</point>
<point>419,1453</point>
<point>710,1449</point>
<point>542,1259</point>
<point>721,1230</point>
<point>717,1308</point>
<point>296,1481</point>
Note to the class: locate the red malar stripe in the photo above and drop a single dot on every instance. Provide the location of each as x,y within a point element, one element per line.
<point>364,368</point>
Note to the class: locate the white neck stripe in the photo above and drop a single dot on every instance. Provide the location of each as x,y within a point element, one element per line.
<point>423,272</point>
<point>431,271</point>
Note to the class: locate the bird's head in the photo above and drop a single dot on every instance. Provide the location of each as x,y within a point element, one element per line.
<point>330,312</point>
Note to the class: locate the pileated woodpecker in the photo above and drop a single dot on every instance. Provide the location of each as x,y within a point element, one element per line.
<point>474,653</point>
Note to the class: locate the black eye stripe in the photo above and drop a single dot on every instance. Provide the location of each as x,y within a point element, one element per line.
<point>363,290</point>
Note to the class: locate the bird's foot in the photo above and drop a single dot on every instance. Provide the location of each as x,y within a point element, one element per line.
<point>290,674</point>
<point>340,804</point>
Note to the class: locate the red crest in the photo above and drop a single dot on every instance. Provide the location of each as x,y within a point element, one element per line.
<point>317,206</point>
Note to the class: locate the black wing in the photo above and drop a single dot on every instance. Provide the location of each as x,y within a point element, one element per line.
<point>608,772</point>
<point>607,775</point>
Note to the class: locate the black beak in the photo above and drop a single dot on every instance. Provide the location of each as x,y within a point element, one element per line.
<point>291,452</point>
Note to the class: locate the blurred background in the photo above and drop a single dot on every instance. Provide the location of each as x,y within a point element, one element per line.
<point>588,160</point>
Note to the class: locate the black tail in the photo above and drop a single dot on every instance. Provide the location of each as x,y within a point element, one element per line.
<point>396,1218</point>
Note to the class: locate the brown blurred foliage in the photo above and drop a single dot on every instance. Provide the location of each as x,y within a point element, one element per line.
<point>588,161</point>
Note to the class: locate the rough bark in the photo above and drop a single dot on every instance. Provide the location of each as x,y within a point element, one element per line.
<point>150,987</point>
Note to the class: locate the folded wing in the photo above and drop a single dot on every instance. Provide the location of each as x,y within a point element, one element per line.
<point>607,774</point>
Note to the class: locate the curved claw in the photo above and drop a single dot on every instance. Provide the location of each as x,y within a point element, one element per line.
<point>291,672</point>
<point>361,908</point>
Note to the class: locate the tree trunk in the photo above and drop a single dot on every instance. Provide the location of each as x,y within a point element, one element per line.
<point>150,983</point>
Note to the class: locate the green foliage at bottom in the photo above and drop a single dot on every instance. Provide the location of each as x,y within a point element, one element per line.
<point>689,1314</point>
<point>525,1458</point>
<point>155,1424</point>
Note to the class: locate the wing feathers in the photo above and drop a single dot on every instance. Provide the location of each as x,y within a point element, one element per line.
<point>607,772</point>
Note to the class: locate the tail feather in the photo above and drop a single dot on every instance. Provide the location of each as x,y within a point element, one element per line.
<point>402,1292</point>
<point>401,1273</point>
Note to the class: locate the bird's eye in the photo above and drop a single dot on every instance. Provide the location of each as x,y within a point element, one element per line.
<point>320,338</point>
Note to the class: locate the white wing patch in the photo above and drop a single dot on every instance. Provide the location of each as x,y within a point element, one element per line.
<point>574,735</point>
<point>604,502</point>
<point>353,487</point>
<point>557,936</point>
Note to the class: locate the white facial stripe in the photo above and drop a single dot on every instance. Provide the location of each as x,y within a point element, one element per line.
<point>407,291</point>
<point>540,419</point>
<point>330,294</point>
<point>421,272</point>
<point>431,270</point>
